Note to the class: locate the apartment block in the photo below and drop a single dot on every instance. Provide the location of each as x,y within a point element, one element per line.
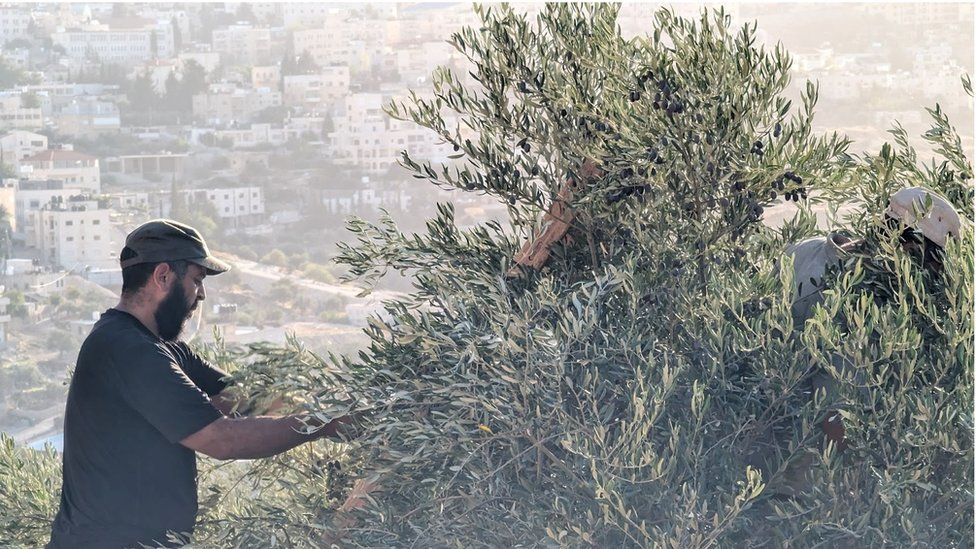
<point>15,22</point>
<point>316,90</point>
<point>123,41</point>
<point>14,115</point>
<point>17,145</point>
<point>77,170</point>
<point>227,104</point>
<point>243,44</point>
<point>75,233</point>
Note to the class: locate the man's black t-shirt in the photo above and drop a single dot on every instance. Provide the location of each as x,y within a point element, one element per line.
<point>133,397</point>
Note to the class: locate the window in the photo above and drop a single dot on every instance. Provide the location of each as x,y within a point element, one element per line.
<point>99,221</point>
<point>97,237</point>
<point>70,239</point>
<point>69,223</point>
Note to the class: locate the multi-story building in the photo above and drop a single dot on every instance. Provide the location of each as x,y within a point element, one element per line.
<point>77,170</point>
<point>236,206</point>
<point>416,63</point>
<point>14,114</point>
<point>225,104</point>
<point>366,138</point>
<point>297,15</point>
<point>30,195</point>
<point>267,134</point>
<point>243,44</point>
<point>342,43</point>
<point>17,145</point>
<point>266,76</point>
<point>88,117</point>
<point>316,90</point>
<point>122,41</point>
<point>75,233</point>
<point>60,94</point>
<point>239,203</point>
<point>15,22</point>
<point>166,165</point>
<point>129,201</point>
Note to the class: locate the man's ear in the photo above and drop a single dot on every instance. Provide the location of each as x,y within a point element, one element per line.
<point>162,277</point>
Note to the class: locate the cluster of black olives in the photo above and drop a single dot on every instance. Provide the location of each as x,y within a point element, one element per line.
<point>757,148</point>
<point>794,194</point>
<point>665,99</point>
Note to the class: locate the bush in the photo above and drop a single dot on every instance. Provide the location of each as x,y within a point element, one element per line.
<point>275,257</point>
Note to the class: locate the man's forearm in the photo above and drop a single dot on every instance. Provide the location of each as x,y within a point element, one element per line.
<point>263,436</point>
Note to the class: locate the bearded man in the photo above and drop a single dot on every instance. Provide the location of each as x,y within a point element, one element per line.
<point>141,404</point>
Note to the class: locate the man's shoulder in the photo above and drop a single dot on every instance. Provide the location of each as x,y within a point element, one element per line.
<point>114,333</point>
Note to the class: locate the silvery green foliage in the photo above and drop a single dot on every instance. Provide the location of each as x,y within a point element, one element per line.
<point>30,485</point>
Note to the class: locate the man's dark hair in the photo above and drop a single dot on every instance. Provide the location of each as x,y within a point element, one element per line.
<point>134,277</point>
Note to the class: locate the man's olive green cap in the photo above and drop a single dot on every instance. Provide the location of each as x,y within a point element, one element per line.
<point>167,240</point>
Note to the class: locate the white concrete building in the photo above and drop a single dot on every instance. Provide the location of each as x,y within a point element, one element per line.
<point>74,234</point>
<point>86,117</point>
<point>129,201</point>
<point>266,76</point>
<point>298,15</point>
<point>14,115</point>
<point>364,136</point>
<point>236,202</point>
<point>236,206</point>
<point>316,90</point>
<point>243,44</point>
<point>30,196</point>
<point>125,42</point>
<point>15,22</point>
<point>226,104</point>
<point>77,170</point>
<point>17,145</point>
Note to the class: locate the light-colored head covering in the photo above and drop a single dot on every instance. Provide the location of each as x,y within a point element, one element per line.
<point>936,223</point>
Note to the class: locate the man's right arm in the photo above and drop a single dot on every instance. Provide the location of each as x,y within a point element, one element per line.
<point>255,437</point>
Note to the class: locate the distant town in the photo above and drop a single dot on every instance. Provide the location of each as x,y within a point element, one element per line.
<point>263,125</point>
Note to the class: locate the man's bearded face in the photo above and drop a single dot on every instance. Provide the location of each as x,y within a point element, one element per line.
<point>173,311</point>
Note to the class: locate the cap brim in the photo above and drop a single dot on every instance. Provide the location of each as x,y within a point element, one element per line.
<point>212,265</point>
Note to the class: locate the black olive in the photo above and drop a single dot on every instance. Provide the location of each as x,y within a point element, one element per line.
<point>535,170</point>
<point>777,129</point>
<point>512,200</point>
<point>457,147</point>
<point>635,96</point>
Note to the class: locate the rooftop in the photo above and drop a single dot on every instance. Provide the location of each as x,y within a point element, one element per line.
<point>54,155</point>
